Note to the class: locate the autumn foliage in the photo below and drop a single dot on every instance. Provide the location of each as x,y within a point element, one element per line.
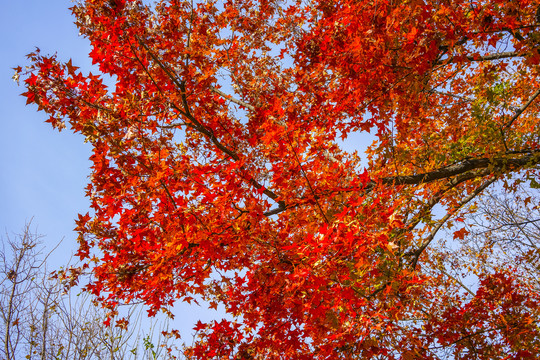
<point>220,171</point>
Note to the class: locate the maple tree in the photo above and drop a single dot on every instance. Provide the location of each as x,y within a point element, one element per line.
<point>218,171</point>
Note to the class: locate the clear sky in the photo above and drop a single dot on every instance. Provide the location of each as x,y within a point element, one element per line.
<point>44,172</point>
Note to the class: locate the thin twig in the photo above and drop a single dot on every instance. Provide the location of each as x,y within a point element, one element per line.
<point>456,280</point>
<point>309,185</point>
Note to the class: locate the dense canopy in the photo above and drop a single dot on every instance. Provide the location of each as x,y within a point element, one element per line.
<point>220,171</point>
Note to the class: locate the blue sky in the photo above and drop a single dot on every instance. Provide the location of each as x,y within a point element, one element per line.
<point>44,172</point>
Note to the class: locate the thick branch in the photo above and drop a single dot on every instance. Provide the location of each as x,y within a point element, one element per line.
<point>496,56</point>
<point>490,57</point>
<point>465,170</point>
<point>500,164</point>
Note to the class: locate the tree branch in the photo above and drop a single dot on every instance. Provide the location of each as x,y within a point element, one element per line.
<point>232,99</point>
<point>198,125</point>
<point>490,57</point>
<point>456,280</point>
<point>522,109</point>
<point>451,213</point>
<point>465,170</point>
<point>496,56</point>
<point>463,167</point>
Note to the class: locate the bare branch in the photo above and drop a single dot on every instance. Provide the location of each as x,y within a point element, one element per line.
<point>232,99</point>
<point>434,232</point>
<point>456,280</point>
